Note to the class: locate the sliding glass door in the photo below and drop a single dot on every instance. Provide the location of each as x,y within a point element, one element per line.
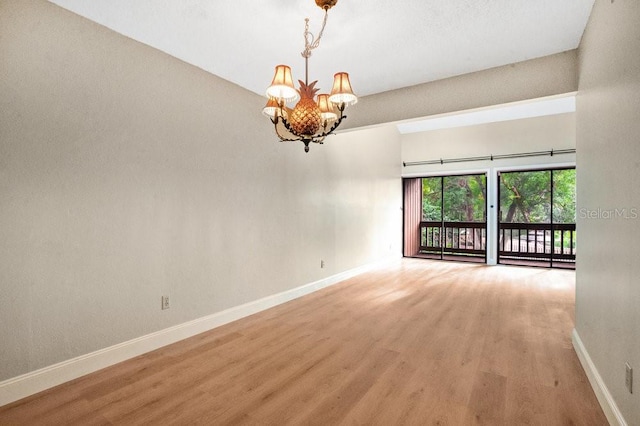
<point>445,217</point>
<point>537,215</point>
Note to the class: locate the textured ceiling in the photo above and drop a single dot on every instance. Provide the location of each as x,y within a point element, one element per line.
<point>383,45</point>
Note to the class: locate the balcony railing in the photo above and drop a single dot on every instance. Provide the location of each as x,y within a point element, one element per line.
<point>534,242</point>
<point>461,238</point>
<point>538,241</point>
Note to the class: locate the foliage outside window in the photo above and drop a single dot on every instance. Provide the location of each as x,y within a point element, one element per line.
<point>464,198</point>
<point>525,197</point>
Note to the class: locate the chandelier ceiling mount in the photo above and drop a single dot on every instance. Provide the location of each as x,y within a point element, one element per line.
<point>326,4</point>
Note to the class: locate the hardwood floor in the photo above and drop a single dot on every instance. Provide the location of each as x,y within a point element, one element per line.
<point>420,342</point>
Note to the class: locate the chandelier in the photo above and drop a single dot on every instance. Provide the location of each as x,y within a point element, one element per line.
<point>313,118</point>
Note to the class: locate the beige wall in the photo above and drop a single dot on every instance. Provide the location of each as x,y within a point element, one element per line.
<point>536,78</point>
<point>126,174</point>
<point>608,143</point>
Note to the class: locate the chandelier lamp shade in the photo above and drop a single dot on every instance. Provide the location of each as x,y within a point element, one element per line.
<point>313,116</point>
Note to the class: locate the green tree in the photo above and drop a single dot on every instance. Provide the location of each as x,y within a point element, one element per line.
<point>525,197</point>
<point>432,199</point>
<point>564,196</point>
<point>464,198</point>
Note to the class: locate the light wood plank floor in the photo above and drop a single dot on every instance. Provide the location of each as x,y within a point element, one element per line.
<point>420,342</point>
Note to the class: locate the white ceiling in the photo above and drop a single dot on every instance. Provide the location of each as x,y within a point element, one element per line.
<point>383,44</point>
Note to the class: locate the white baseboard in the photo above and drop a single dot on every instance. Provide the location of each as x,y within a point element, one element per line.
<point>36,381</point>
<point>609,406</point>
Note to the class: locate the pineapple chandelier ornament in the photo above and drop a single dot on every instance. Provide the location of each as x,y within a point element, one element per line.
<point>313,118</point>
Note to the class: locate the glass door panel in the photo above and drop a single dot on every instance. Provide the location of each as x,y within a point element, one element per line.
<point>454,217</point>
<point>536,218</point>
<point>564,218</point>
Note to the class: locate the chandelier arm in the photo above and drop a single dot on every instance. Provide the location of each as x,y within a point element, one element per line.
<point>282,138</point>
<point>319,141</point>
<point>334,126</point>
<point>317,138</point>
<point>287,126</point>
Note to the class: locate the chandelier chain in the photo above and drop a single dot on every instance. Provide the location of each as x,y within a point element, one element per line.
<point>311,42</point>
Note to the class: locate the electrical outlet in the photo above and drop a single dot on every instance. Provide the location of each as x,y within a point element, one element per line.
<point>322,263</point>
<point>628,377</point>
<point>165,302</point>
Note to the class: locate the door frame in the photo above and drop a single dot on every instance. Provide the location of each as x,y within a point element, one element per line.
<point>492,189</point>
<point>484,172</point>
<point>540,168</point>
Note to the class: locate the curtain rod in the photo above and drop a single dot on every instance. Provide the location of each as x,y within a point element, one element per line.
<point>490,157</point>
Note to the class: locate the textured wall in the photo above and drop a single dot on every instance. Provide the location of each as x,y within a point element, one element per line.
<point>608,143</point>
<point>536,78</point>
<point>126,174</point>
